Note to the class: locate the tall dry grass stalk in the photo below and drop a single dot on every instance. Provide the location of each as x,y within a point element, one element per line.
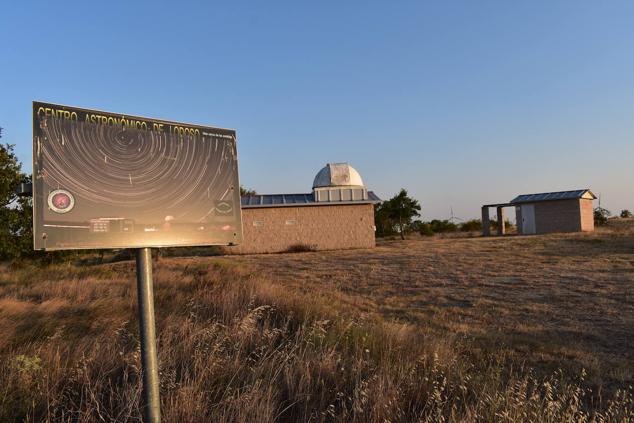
<point>235,347</point>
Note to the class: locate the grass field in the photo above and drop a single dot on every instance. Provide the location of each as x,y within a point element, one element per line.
<point>555,301</point>
<point>436,329</point>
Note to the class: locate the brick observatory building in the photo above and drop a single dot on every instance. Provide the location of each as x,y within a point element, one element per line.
<point>337,214</point>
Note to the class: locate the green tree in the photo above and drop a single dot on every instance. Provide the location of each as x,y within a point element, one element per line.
<point>626,213</point>
<point>245,192</point>
<point>400,210</point>
<point>414,226</point>
<point>601,216</point>
<point>10,175</point>
<point>15,212</point>
<point>384,225</point>
<point>21,228</point>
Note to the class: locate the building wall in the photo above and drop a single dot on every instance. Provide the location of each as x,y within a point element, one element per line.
<point>329,227</point>
<point>558,216</point>
<point>587,215</point>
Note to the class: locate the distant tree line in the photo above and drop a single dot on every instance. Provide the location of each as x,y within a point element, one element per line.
<point>396,217</point>
<point>437,226</point>
<point>602,215</point>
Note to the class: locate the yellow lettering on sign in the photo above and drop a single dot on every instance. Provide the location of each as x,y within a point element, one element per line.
<point>117,121</point>
<point>57,113</point>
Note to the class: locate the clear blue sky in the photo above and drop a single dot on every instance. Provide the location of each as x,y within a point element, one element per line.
<point>461,103</point>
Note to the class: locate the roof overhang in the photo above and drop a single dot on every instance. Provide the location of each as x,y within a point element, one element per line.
<point>499,205</point>
<point>312,204</point>
<point>580,194</point>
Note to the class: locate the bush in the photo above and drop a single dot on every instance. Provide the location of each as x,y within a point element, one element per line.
<point>441,226</point>
<point>507,224</point>
<point>414,226</point>
<point>300,248</point>
<point>425,229</point>
<point>626,213</point>
<point>472,225</point>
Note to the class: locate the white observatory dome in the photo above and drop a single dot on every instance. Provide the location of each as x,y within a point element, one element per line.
<point>337,175</point>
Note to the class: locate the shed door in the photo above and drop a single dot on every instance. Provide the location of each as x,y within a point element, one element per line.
<point>528,219</point>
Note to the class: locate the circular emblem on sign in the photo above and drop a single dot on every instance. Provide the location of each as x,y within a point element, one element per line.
<point>61,201</point>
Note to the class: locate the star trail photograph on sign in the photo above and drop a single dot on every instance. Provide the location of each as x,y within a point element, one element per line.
<point>104,180</point>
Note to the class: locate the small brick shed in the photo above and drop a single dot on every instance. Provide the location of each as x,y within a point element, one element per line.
<point>562,211</point>
<point>337,214</point>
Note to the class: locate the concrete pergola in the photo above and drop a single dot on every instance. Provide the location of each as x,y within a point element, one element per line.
<point>486,220</point>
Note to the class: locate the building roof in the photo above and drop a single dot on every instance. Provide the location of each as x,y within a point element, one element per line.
<point>550,196</point>
<point>294,200</point>
<point>337,175</point>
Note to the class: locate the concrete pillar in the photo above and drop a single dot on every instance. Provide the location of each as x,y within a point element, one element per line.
<point>486,222</point>
<point>501,228</point>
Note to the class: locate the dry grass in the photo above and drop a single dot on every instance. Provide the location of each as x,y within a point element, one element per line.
<point>426,330</point>
<point>557,301</point>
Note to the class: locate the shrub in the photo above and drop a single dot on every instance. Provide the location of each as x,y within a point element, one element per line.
<point>441,226</point>
<point>601,216</point>
<point>471,225</point>
<point>425,229</point>
<point>494,224</point>
<point>301,248</point>
<point>626,213</point>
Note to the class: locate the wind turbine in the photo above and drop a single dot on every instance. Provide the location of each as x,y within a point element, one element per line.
<point>453,218</point>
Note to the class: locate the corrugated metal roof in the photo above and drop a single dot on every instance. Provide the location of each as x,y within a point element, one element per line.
<point>291,200</point>
<point>549,196</point>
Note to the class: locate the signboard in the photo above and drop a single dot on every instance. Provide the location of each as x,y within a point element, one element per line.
<point>105,180</point>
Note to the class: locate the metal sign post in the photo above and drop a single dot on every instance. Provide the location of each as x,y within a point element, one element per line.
<point>147,328</point>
